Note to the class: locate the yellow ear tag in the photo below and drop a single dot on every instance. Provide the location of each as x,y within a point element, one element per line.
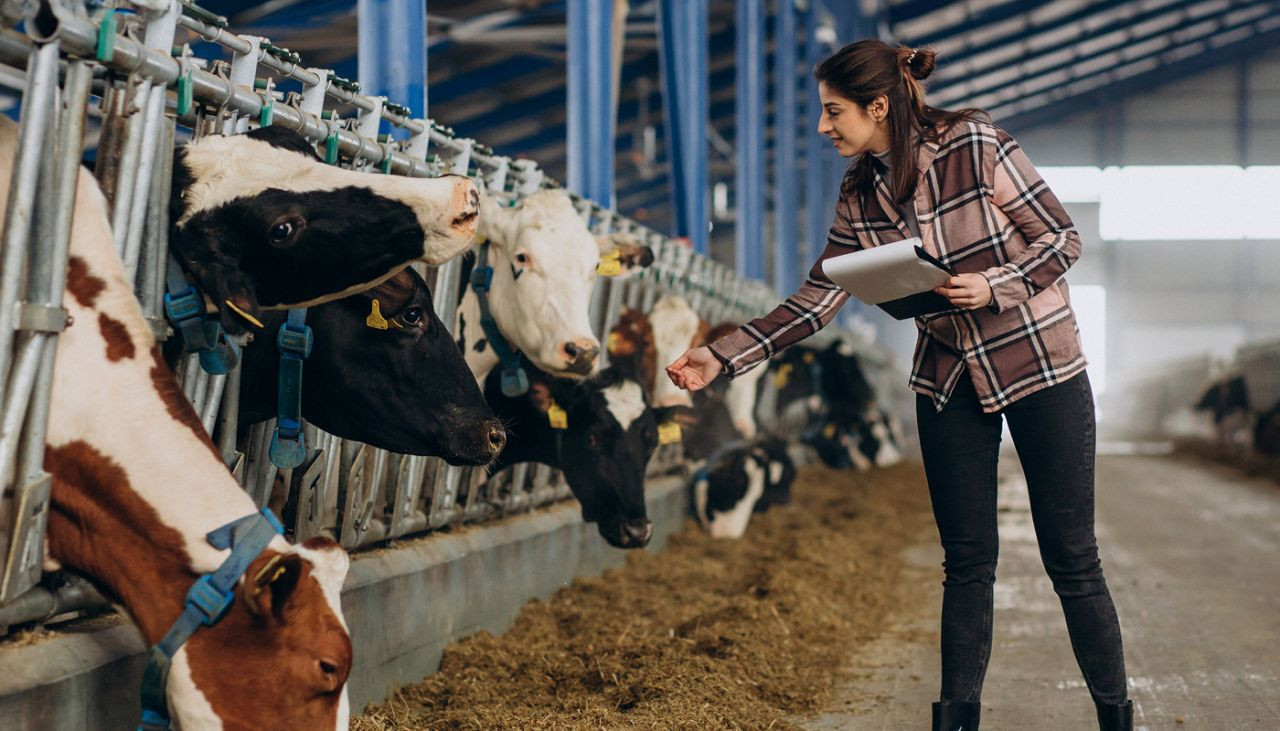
<point>808,357</point>
<point>669,433</point>
<point>783,376</point>
<point>829,431</point>
<point>557,416</point>
<point>253,320</point>
<point>615,339</point>
<point>375,319</point>
<point>610,264</point>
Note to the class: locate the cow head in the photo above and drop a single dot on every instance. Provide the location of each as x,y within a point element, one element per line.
<point>384,371</point>
<point>631,348</point>
<point>280,657</point>
<point>676,328</point>
<point>544,263</point>
<point>261,222</point>
<point>610,433</point>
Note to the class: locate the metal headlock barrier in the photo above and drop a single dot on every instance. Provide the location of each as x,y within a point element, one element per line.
<point>82,59</point>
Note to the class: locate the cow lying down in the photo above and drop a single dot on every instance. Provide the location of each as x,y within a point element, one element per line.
<point>738,481</point>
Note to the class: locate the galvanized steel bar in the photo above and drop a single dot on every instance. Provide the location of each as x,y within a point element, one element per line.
<point>393,50</point>
<point>816,206</point>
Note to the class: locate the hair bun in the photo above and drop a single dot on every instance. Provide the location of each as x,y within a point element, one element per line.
<point>918,62</point>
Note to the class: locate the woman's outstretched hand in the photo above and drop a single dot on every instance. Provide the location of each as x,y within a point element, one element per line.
<point>694,370</point>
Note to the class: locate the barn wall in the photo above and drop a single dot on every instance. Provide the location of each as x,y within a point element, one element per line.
<point>403,606</point>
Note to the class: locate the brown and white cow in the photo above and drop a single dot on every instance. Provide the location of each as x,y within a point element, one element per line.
<point>137,485</point>
<point>544,262</point>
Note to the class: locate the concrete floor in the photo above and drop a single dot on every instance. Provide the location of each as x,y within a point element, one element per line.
<point>1192,555</point>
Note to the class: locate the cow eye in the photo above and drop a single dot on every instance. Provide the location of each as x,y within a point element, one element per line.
<point>522,258</point>
<point>284,231</point>
<point>412,316</point>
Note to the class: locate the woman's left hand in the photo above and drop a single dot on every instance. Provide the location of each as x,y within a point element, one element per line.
<point>966,291</point>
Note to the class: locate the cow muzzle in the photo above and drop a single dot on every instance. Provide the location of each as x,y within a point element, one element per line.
<point>466,200</point>
<point>579,356</point>
<point>636,533</point>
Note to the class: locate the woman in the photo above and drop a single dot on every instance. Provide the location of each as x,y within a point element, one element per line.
<point>1010,349</point>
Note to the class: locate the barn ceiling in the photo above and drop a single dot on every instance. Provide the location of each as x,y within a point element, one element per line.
<point>497,67</point>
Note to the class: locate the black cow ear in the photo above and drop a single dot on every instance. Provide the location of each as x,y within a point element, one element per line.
<point>213,260</point>
<point>682,415</point>
<point>285,139</point>
<point>540,396</point>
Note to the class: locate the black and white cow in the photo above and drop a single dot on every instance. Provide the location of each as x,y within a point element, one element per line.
<point>399,383</point>
<point>260,222</point>
<point>738,481</point>
<point>544,261</point>
<point>608,436</point>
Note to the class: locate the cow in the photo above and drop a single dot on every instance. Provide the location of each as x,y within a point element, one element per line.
<point>855,431</point>
<point>738,481</point>
<point>544,264</point>
<point>137,486</point>
<point>676,328</point>
<point>599,431</point>
<point>260,222</point>
<point>384,371</point>
<point>742,394</point>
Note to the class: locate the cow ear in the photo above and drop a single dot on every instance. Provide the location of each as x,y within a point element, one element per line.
<point>540,396</point>
<point>270,581</point>
<point>214,261</point>
<point>632,254</point>
<point>497,223</point>
<point>682,415</point>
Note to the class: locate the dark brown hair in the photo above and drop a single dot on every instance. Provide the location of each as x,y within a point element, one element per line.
<point>862,71</point>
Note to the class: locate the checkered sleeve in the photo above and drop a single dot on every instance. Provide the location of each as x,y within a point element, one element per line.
<point>802,314</point>
<point>1053,244</point>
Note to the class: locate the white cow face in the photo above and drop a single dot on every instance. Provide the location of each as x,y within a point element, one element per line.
<point>544,263</point>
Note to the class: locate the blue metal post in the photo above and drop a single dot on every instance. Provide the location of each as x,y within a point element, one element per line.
<point>749,185</point>
<point>785,195</point>
<point>590,115</point>
<point>683,25</point>
<point>817,208</point>
<point>393,51</point>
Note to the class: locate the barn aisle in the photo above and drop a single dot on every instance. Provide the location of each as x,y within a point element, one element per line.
<point>1190,552</point>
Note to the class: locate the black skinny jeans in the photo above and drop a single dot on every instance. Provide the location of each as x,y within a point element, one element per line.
<point>1054,432</point>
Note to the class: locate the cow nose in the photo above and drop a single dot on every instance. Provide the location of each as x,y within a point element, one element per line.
<point>466,200</point>
<point>497,438</point>
<point>579,355</point>
<point>636,533</point>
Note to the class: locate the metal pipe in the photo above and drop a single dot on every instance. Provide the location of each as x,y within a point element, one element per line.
<point>590,99</point>
<point>127,174</point>
<point>49,266</point>
<point>40,604</point>
<point>42,80</point>
<point>785,199</point>
<point>229,415</point>
<point>149,152</point>
<point>749,203</point>
<point>684,94</point>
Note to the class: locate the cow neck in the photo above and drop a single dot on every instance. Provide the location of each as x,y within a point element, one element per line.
<point>137,483</point>
<point>515,380</point>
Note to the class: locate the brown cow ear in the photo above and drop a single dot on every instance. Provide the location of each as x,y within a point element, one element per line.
<point>270,582</point>
<point>540,396</point>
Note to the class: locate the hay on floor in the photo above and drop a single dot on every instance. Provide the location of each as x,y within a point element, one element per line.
<point>707,634</point>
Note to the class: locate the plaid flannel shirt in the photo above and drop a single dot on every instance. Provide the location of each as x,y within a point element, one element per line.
<point>982,207</point>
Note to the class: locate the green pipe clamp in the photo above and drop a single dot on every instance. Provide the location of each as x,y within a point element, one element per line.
<point>331,148</point>
<point>107,37</point>
<point>185,96</point>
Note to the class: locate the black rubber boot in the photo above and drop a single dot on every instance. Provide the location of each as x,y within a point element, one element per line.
<point>1113,717</point>
<point>956,716</point>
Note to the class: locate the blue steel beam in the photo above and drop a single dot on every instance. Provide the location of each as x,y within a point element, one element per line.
<point>749,200</point>
<point>393,51</point>
<point>816,204</point>
<point>683,53</point>
<point>590,100</point>
<point>786,198</point>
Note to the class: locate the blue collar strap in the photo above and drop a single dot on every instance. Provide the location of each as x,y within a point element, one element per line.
<point>288,445</point>
<point>515,382</point>
<point>207,602</point>
<point>184,306</point>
